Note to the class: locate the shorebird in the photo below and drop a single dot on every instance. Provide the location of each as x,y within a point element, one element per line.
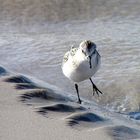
<point>82,63</point>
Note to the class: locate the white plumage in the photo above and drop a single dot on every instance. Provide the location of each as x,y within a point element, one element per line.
<point>82,63</point>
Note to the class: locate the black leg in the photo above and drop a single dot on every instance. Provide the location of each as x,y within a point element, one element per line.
<point>95,89</point>
<point>76,87</point>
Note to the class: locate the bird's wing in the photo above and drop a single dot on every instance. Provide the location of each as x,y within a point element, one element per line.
<point>66,57</point>
<point>68,54</point>
<point>73,51</point>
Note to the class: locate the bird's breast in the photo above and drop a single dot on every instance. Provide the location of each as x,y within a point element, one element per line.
<point>79,70</point>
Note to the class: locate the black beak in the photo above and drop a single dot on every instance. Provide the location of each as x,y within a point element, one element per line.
<point>90,61</point>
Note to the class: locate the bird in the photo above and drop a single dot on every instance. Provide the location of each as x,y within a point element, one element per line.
<point>81,63</point>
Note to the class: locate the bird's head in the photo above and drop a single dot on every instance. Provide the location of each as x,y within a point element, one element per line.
<point>88,48</point>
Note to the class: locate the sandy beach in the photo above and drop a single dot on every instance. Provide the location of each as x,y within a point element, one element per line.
<point>29,111</point>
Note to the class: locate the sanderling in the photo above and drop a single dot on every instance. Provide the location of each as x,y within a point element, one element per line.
<point>82,63</point>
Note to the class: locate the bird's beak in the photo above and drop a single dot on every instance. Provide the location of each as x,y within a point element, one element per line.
<point>89,59</point>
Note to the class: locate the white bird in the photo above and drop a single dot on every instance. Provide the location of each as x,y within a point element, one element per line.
<point>82,63</point>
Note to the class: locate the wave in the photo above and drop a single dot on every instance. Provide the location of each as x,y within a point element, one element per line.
<point>41,11</point>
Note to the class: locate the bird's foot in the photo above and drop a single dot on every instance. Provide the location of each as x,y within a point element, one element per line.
<point>79,101</point>
<point>97,91</point>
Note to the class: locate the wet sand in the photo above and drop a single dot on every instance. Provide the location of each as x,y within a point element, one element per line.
<point>29,111</point>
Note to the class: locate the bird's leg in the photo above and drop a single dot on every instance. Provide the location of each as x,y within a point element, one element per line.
<point>95,89</point>
<point>76,87</point>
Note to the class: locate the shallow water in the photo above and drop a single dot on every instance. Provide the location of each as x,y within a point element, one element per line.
<point>33,41</point>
